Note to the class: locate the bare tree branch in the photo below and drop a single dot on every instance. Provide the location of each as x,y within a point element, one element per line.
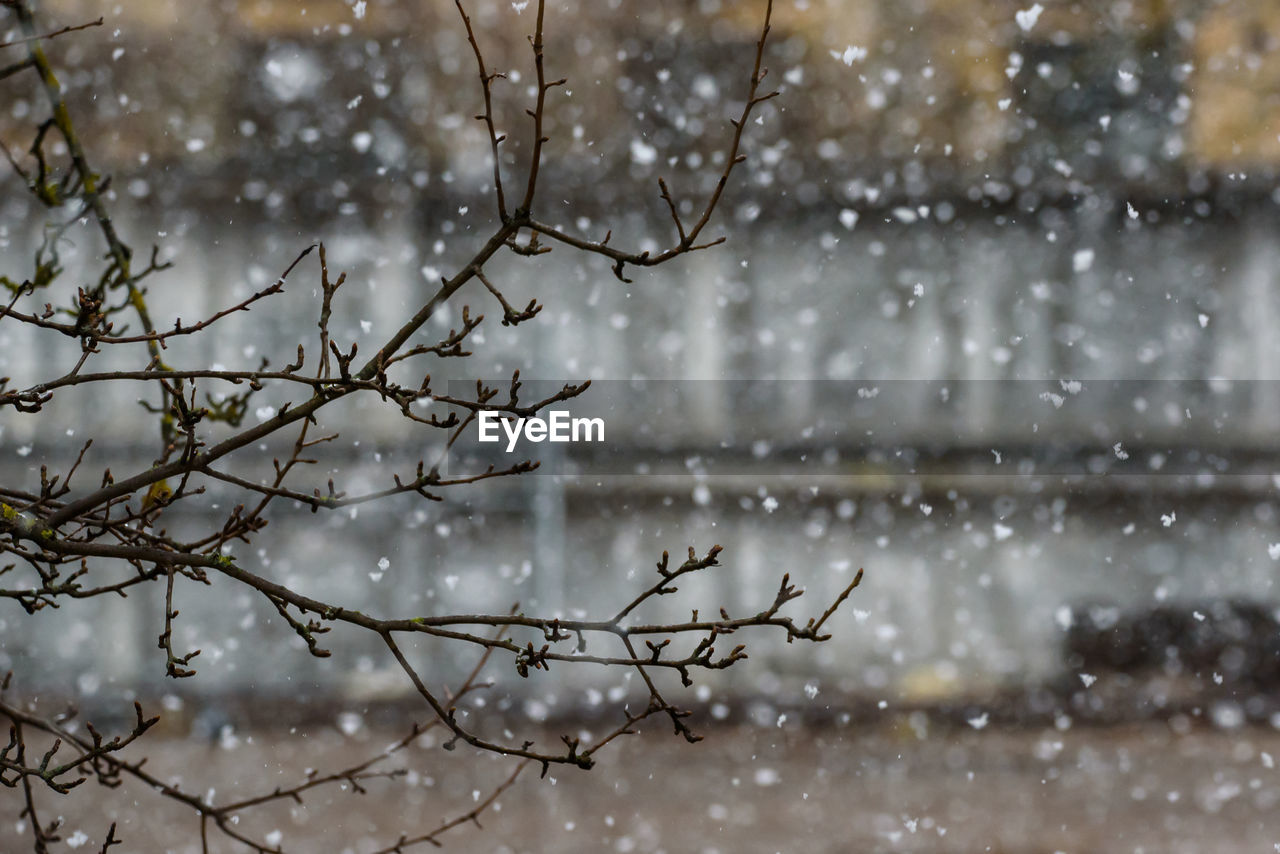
<point>67,541</point>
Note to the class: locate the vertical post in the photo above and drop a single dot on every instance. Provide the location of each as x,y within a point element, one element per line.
<point>549,521</point>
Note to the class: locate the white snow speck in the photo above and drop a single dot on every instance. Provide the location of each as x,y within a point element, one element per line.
<point>357,10</point>
<point>1273,551</point>
<point>77,839</point>
<point>1082,260</point>
<point>350,723</point>
<point>1131,210</point>
<point>361,141</point>
<point>1015,65</point>
<point>769,504</point>
<point>1004,103</point>
<point>906,215</point>
<point>291,74</point>
<point>926,509</point>
<point>1002,532</point>
<point>1204,320</point>
<point>1227,715</point>
<point>1121,453</point>
<point>1088,679</point>
<point>980,721</point>
<point>275,837</point>
<point>850,55</point>
<point>848,218</point>
<point>704,86</point>
<point>643,153</point>
<point>1168,519</point>
<point>1063,617</point>
<point>1027,18</point>
<point>766,777</point>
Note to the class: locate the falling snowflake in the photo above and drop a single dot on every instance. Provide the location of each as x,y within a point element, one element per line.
<point>350,723</point>
<point>643,153</point>
<point>1027,18</point>
<point>850,55</point>
<point>1063,617</point>
<point>766,777</point>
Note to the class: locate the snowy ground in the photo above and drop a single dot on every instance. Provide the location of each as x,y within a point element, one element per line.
<point>904,785</point>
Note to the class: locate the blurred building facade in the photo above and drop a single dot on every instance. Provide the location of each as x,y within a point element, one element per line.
<point>943,192</point>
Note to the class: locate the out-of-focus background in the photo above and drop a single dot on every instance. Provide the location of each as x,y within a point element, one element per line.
<point>1039,233</point>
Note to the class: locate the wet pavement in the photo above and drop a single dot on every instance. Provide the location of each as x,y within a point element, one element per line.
<point>907,783</point>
